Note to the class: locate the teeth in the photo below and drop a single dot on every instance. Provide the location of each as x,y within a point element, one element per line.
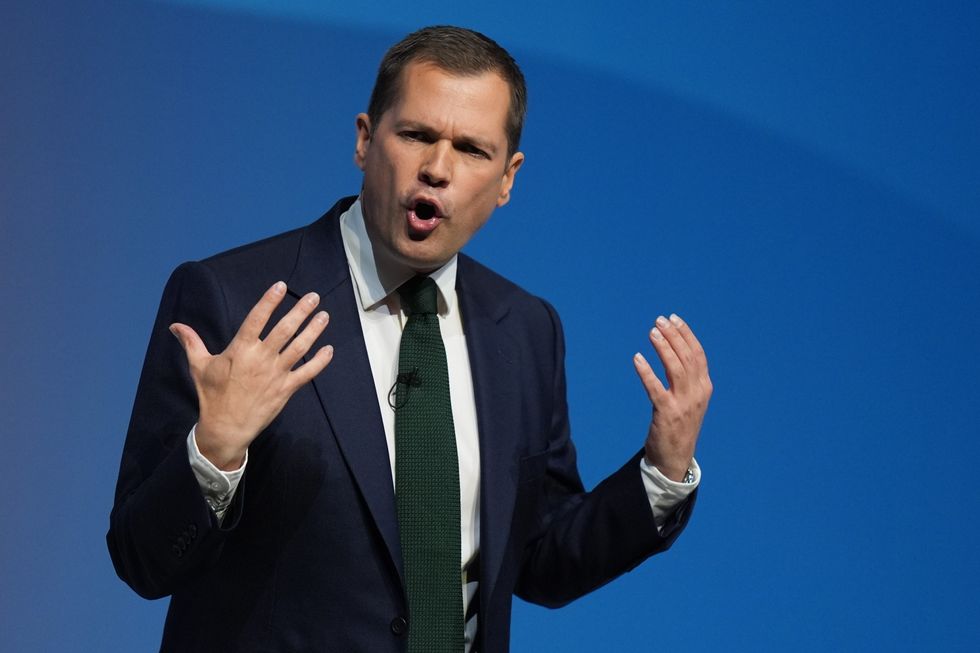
<point>425,211</point>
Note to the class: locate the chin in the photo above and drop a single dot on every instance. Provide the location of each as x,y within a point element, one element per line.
<point>424,264</point>
<point>417,256</point>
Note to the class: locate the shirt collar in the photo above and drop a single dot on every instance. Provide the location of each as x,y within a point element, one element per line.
<point>375,284</point>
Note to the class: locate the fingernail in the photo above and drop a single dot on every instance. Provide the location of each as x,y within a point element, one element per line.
<point>173,330</point>
<point>313,298</point>
<point>321,316</point>
<point>662,321</point>
<point>279,287</point>
<point>638,357</point>
<point>675,319</point>
<point>656,334</point>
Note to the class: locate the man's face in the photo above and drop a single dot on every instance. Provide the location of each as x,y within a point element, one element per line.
<point>436,165</point>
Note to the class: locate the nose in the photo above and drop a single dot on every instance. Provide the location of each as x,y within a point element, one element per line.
<point>437,166</point>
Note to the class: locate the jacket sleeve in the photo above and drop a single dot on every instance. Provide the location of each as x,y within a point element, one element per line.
<point>586,539</point>
<point>161,530</point>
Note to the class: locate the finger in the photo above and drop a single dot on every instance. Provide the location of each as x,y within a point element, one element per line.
<point>673,367</point>
<point>308,370</point>
<point>192,344</point>
<point>257,318</point>
<point>679,345</point>
<point>692,341</point>
<point>287,327</point>
<point>302,343</point>
<point>651,382</point>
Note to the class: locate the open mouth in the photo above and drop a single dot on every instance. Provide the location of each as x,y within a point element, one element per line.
<point>423,218</point>
<point>425,211</point>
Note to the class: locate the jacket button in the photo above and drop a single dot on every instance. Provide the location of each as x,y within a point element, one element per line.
<point>399,625</point>
<point>177,551</point>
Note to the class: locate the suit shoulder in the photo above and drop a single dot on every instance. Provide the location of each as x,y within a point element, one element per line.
<point>278,255</point>
<point>262,246</point>
<point>504,292</point>
<point>243,273</point>
<point>280,247</point>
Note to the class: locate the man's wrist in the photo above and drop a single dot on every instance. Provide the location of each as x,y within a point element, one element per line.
<point>217,486</point>
<point>224,457</point>
<point>664,494</point>
<point>677,473</point>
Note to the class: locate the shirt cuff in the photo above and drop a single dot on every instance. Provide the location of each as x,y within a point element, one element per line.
<point>217,486</point>
<point>664,494</point>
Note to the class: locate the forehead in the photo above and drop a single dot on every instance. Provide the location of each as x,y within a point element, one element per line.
<point>442,99</point>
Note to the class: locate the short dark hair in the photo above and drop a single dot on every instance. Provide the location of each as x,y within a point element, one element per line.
<point>456,50</point>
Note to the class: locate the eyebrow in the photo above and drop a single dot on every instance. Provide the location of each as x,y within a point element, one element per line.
<point>413,125</point>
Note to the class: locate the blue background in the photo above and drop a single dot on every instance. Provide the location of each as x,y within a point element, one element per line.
<point>799,182</point>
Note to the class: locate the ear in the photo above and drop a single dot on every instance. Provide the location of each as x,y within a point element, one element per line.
<point>507,181</point>
<point>363,126</point>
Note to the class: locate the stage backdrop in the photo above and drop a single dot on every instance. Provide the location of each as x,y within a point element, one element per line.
<point>800,183</point>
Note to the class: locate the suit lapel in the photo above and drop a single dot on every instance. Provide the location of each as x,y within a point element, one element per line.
<point>494,365</point>
<point>321,266</point>
<point>346,388</point>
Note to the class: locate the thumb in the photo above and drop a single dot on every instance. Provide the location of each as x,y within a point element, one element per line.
<point>191,342</point>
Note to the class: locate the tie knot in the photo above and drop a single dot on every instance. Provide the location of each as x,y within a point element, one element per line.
<point>418,295</point>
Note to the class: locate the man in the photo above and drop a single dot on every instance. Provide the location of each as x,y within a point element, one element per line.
<point>272,496</point>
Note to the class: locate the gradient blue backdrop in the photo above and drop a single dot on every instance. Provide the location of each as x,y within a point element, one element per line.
<point>801,183</point>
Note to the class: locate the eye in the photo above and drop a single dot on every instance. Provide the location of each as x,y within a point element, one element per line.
<point>473,150</point>
<point>415,136</point>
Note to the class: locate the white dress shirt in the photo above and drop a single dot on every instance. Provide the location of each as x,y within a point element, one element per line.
<point>382,321</point>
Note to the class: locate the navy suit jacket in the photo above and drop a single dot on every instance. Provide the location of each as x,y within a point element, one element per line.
<point>307,558</point>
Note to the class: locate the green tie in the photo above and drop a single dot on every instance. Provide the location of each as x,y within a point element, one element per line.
<point>427,478</point>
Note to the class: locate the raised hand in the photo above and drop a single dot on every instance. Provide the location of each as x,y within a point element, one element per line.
<point>679,410</point>
<point>242,389</point>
